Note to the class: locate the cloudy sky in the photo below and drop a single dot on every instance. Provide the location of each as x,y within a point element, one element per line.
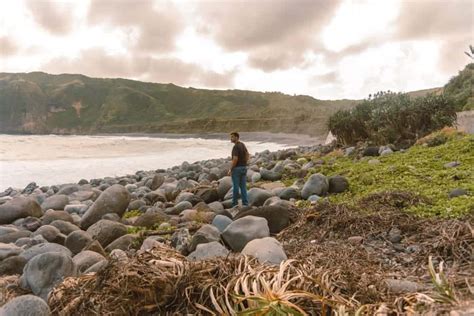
<point>328,49</point>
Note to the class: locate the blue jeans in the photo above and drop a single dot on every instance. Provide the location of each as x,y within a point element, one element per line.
<point>239,181</point>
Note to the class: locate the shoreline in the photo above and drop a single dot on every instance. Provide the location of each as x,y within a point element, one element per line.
<point>262,137</point>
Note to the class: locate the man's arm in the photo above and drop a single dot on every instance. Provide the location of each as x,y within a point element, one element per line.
<point>234,163</point>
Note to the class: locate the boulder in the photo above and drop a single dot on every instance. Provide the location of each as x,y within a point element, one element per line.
<point>277,217</point>
<point>115,199</point>
<point>19,207</point>
<point>266,250</point>
<point>64,227</point>
<point>77,240</point>
<point>457,192</point>
<point>150,219</point>
<point>208,195</point>
<point>402,286</point>
<point>50,233</point>
<point>180,240</point>
<point>46,270</point>
<point>157,181</point>
<point>371,152</point>
<point>51,216</point>
<point>216,206</point>
<point>105,231</point>
<point>179,207</point>
<point>126,242</point>
<point>243,230</point>
<point>224,185</point>
<point>289,193</point>
<point>12,265</point>
<point>96,267</point>
<point>55,202</point>
<point>26,305</point>
<point>42,248</point>
<point>9,250</point>
<point>338,184</point>
<point>257,196</point>
<point>31,223</point>
<point>317,184</point>
<point>207,233</point>
<point>85,259</point>
<point>208,250</point>
<point>270,175</point>
<point>221,222</point>
<point>14,236</point>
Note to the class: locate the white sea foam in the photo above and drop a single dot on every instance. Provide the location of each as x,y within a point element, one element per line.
<point>52,159</point>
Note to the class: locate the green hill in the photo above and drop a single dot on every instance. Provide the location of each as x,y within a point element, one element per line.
<point>64,104</point>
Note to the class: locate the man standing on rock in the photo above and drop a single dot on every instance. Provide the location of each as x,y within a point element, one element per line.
<point>238,170</point>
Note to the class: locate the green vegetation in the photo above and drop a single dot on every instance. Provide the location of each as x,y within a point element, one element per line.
<point>389,117</point>
<point>420,170</point>
<point>132,213</point>
<point>79,104</point>
<point>461,89</point>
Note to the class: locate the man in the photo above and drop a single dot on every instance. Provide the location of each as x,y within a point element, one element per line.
<point>238,170</point>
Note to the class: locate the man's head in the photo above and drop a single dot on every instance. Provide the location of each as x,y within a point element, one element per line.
<point>234,137</point>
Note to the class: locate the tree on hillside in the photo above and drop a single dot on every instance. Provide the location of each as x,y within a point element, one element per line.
<point>471,53</point>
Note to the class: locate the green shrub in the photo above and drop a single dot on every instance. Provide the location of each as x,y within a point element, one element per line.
<point>389,117</point>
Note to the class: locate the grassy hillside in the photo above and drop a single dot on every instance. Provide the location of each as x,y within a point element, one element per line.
<point>41,103</point>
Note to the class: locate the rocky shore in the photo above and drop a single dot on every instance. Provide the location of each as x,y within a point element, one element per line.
<point>54,232</point>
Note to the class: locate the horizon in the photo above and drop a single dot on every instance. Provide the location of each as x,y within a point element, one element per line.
<point>329,50</point>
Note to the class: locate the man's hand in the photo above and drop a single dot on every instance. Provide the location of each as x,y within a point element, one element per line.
<point>229,173</point>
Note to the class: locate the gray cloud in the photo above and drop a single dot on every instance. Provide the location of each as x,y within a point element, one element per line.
<point>157,25</point>
<point>7,47</point>
<point>54,16</point>
<point>96,63</point>
<point>275,34</point>
<point>451,22</point>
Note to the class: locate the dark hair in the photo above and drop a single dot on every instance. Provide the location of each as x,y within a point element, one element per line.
<point>235,134</point>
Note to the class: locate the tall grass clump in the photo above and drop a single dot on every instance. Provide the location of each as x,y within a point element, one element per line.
<point>389,117</point>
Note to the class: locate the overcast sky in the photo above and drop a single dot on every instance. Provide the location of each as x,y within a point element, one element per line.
<point>326,49</point>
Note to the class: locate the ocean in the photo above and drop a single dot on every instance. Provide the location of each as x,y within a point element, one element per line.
<point>54,159</point>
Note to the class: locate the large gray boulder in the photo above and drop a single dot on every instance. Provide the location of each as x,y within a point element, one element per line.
<point>208,195</point>
<point>12,265</point>
<point>208,250</point>
<point>317,184</point>
<point>46,270</point>
<point>289,193</point>
<point>19,207</point>
<point>77,240</point>
<point>39,249</point>
<point>277,217</point>
<point>338,184</point>
<point>270,175</point>
<point>64,227</point>
<point>243,230</point>
<point>257,196</point>
<point>221,222</point>
<point>105,231</point>
<point>115,199</point>
<point>207,233</point>
<point>25,305</point>
<point>55,202</point>
<point>150,219</point>
<point>157,181</point>
<point>225,184</point>
<point>50,233</point>
<point>266,250</point>
<point>50,216</point>
<point>179,207</point>
<point>125,243</point>
<point>86,259</point>
<point>14,236</point>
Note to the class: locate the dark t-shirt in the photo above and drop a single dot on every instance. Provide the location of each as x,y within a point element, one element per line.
<point>240,151</point>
